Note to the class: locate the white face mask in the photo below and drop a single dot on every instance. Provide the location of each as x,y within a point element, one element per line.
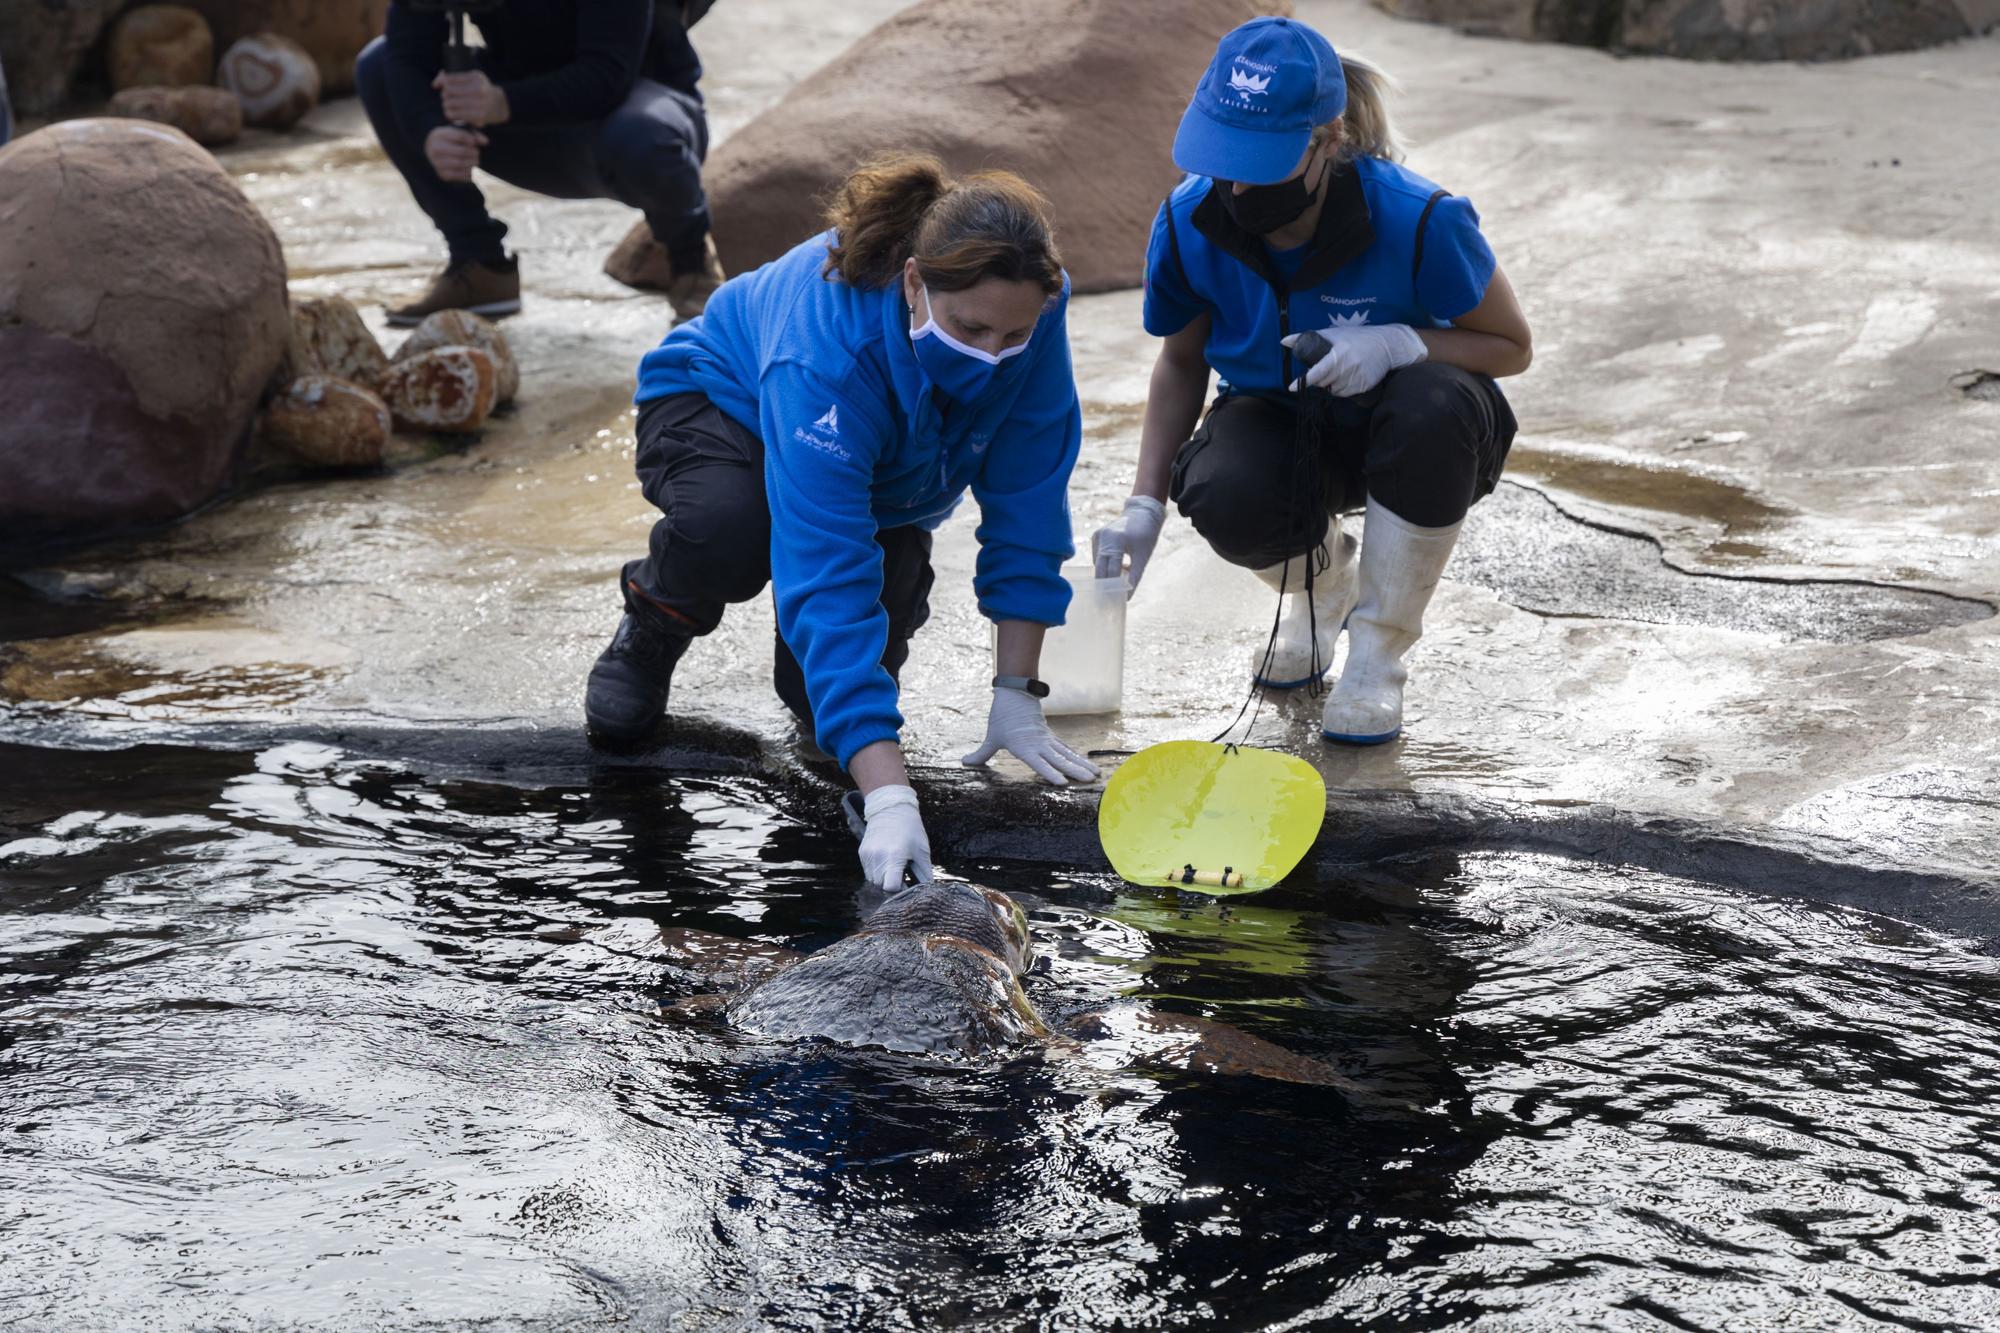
<point>962,372</point>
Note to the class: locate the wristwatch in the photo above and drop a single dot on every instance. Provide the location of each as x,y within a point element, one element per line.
<point>1025,684</point>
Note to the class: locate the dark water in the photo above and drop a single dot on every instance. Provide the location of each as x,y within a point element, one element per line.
<point>290,1040</point>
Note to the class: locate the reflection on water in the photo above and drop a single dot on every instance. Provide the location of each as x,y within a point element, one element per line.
<point>290,1038</point>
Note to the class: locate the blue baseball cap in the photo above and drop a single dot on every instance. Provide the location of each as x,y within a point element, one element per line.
<point>1272,81</point>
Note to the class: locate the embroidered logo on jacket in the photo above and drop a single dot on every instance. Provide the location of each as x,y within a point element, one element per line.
<point>829,443</point>
<point>1243,81</point>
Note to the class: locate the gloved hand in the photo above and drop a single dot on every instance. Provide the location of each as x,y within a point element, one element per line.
<point>1362,356</point>
<point>1016,725</point>
<point>893,837</point>
<point>1132,537</point>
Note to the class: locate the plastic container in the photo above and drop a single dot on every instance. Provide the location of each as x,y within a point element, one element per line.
<point>1083,660</point>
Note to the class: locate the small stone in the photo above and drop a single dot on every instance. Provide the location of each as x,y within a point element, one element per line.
<point>449,389</point>
<point>329,337</point>
<point>331,31</point>
<point>328,422</point>
<point>462,328</point>
<point>273,77</point>
<point>209,116</point>
<point>160,46</point>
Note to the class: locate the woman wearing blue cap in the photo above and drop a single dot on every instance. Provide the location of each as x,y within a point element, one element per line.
<point>824,414</point>
<point>1296,218</point>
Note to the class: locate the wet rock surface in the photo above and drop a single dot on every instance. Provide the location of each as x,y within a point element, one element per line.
<point>1521,546</point>
<point>1718,29</point>
<point>149,295</point>
<point>1698,380</point>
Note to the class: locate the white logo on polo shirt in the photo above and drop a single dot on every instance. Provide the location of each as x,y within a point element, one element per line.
<point>831,421</point>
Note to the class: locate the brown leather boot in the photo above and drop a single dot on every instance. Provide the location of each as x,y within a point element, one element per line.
<point>492,290</point>
<point>688,293</point>
<point>640,261</point>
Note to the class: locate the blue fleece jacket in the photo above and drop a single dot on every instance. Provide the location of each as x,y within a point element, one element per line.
<point>857,440</point>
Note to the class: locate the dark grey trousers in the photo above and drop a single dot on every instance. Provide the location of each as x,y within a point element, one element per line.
<point>704,472</point>
<point>647,153</point>
<point>1260,475</point>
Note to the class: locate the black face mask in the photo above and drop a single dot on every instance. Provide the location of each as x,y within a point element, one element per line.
<point>1262,209</point>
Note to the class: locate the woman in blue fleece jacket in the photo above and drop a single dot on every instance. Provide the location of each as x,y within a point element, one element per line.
<point>811,429</point>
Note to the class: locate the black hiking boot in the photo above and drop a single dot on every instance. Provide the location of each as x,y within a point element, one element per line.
<point>627,693</point>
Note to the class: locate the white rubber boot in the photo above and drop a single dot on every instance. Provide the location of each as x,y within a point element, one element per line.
<point>1401,564</point>
<point>1308,624</point>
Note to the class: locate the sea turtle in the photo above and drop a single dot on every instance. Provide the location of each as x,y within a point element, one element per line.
<point>937,968</point>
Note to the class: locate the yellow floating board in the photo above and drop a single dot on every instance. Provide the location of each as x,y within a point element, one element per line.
<point>1215,818</point>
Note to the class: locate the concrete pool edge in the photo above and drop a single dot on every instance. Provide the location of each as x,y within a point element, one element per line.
<point>983,817</point>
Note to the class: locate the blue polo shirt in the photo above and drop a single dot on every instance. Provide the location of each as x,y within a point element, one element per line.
<point>1362,267</point>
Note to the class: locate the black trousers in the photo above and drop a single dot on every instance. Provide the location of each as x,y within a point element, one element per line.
<point>647,153</point>
<point>712,544</point>
<point>1260,475</point>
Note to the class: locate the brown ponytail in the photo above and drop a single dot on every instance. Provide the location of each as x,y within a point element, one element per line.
<point>989,225</point>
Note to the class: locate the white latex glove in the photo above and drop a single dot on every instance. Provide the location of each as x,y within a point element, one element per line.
<point>1362,356</point>
<point>1132,537</point>
<point>1016,725</point>
<point>894,838</point>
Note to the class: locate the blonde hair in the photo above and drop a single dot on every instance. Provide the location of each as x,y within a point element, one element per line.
<point>1366,128</point>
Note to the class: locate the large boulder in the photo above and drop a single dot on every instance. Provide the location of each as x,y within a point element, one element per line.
<point>45,43</point>
<point>332,31</point>
<point>209,116</point>
<point>1079,96</point>
<point>142,312</point>
<point>275,79</point>
<point>160,46</point>
<point>1718,29</point>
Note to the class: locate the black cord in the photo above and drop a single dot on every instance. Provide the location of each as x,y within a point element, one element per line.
<point>1306,489</point>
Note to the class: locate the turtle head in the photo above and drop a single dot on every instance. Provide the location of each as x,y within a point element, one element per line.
<point>981,916</point>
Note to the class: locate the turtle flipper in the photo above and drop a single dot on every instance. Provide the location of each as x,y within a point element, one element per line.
<point>1131,1035</point>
